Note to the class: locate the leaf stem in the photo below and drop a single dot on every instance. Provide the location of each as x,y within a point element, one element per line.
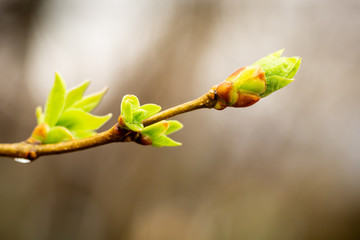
<point>115,134</point>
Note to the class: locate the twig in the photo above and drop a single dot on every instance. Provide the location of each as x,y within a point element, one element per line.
<point>32,151</point>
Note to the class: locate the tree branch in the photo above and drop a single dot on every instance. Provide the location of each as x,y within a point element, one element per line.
<point>32,151</point>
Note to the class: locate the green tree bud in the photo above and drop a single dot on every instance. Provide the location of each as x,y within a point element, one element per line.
<point>242,88</point>
<point>247,85</point>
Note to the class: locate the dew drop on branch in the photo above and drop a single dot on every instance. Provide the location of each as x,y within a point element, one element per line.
<point>22,160</point>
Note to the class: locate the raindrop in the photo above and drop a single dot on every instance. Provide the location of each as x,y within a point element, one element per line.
<point>22,160</point>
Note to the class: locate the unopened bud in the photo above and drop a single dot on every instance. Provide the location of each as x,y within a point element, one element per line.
<point>247,85</point>
<point>39,134</point>
<point>242,88</point>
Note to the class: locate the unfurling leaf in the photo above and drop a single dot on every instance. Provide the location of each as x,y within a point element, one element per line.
<point>148,110</point>
<point>156,129</point>
<point>75,94</point>
<point>132,114</point>
<point>156,133</point>
<point>77,119</point>
<point>164,141</point>
<point>127,110</point>
<point>55,102</point>
<point>88,103</point>
<point>173,127</point>
<point>283,68</point>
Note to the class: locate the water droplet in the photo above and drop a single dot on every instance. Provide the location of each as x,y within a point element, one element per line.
<point>22,160</point>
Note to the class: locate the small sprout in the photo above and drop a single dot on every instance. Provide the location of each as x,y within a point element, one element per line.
<point>132,114</point>
<point>66,115</point>
<point>247,85</point>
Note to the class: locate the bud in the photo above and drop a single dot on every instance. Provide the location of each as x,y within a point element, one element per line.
<point>39,134</point>
<point>247,85</point>
<point>242,88</point>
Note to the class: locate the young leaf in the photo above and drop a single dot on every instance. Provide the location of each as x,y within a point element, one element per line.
<point>55,102</point>
<point>132,114</point>
<point>88,103</point>
<point>295,69</point>
<point>139,115</point>
<point>75,94</point>
<point>156,129</point>
<point>164,141</point>
<point>134,126</point>
<point>274,83</point>
<point>77,119</point>
<point>149,110</point>
<point>133,100</point>
<point>58,134</point>
<point>173,127</point>
<point>126,111</point>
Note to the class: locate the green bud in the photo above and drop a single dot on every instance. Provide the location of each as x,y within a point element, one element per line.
<point>39,133</point>
<point>132,114</point>
<point>242,88</point>
<point>247,85</point>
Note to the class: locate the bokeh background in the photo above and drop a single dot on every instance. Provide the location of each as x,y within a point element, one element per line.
<point>285,168</point>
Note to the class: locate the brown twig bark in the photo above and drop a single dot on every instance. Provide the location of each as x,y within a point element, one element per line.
<point>32,151</point>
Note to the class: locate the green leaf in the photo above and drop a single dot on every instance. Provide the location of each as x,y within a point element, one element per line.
<point>295,68</point>
<point>134,126</point>
<point>163,141</point>
<point>75,94</point>
<point>88,103</point>
<point>149,110</point>
<point>274,64</point>
<point>39,115</point>
<point>77,119</point>
<point>138,115</point>
<point>133,100</point>
<point>126,111</point>
<point>156,129</point>
<point>269,58</point>
<point>55,102</point>
<point>83,134</point>
<point>58,134</point>
<point>173,127</point>
<point>274,83</point>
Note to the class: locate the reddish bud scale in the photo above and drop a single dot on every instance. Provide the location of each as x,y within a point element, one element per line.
<point>39,134</point>
<point>143,140</point>
<point>228,95</point>
<point>121,122</point>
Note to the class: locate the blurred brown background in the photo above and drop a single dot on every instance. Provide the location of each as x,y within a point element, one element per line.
<point>286,168</point>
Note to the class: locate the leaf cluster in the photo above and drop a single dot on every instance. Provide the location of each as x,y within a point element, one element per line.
<point>67,114</point>
<point>132,115</point>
